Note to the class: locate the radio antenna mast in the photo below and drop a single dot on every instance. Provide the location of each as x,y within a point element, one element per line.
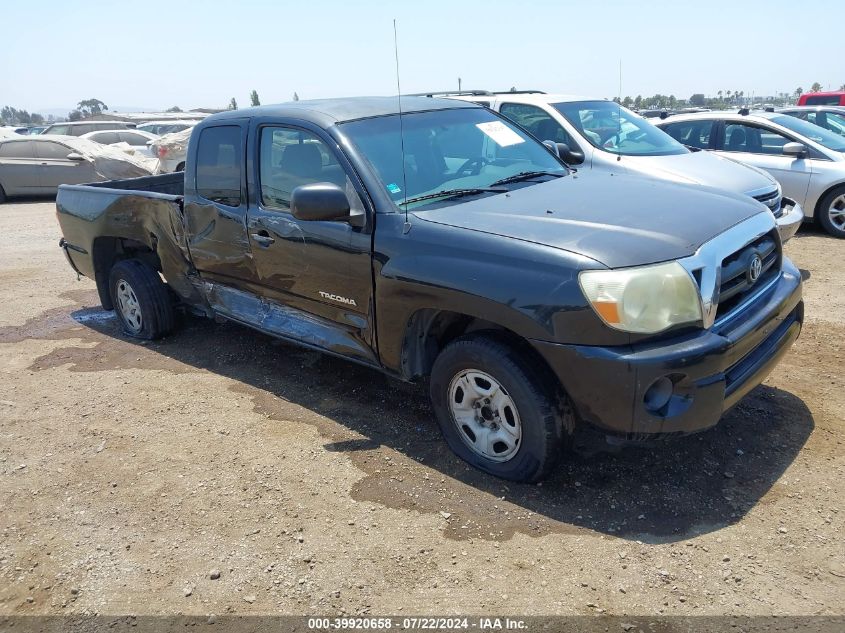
<point>619,108</point>
<point>401,127</point>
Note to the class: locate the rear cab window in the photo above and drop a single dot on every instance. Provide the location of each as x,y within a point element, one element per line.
<point>219,162</point>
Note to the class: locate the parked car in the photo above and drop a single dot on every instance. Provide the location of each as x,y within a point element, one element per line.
<point>829,117</point>
<point>532,297</point>
<point>807,160</point>
<point>161,128</point>
<point>822,98</point>
<point>138,140</point>
<point>171,151</point>
<point>36,129</point>
<point>37,165</point>
<point>78,128</point>
<point>602,135</point>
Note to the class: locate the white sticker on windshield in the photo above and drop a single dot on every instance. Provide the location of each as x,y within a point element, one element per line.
<point>501,134</point>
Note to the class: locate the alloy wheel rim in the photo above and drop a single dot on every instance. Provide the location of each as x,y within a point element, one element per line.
<point>485,415</point>
<point>129,307</point>
<point>836,212</point>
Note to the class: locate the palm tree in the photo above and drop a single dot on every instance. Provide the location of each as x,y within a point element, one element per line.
<point>816,87</point>
<point>720,95</point>
<point>799,91</point>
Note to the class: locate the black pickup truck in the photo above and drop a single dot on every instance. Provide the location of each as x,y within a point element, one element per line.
<point>446,242</point>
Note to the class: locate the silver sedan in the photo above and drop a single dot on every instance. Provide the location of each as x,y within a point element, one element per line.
<point>807,160</point>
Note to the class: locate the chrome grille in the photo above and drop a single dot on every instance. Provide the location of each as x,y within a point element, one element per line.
<point>736,279</point>
<point>773,201</point>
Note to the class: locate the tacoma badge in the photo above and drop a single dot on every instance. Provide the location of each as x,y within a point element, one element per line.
<point>338,298</point>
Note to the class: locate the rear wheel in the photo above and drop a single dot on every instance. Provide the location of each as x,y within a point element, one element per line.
<point>831,213</point>
<point>141,300</point>
<point>496,411</point>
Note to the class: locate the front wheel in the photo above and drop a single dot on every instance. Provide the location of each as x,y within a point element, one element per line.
<point>141,300</point>
<point>496,411</point>
<point>832,212</point>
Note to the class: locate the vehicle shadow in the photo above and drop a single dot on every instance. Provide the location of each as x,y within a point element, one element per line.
<point>662,491</point>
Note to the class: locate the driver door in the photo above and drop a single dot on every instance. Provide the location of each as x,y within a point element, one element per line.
<point>319,268</point>
<point>763,147</point>
<point>57,169</point>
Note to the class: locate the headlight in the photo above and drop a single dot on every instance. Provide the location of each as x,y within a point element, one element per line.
<point>648,299</point>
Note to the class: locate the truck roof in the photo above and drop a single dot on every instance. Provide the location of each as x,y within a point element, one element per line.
<point>329,111</point>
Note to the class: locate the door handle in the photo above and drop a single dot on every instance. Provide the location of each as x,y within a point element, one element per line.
<point>262,238</point>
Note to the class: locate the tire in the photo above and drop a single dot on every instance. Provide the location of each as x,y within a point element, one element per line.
<point>831,212</point>
<point>140,300</point>
<point>527,418</point>
<point>180,167</point>
<point>2,195</point>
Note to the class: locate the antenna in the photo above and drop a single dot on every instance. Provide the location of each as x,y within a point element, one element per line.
<point>619,108</point>
<point>401,127</point>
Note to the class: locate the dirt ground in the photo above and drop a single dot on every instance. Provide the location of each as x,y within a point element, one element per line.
<point>132,474</point>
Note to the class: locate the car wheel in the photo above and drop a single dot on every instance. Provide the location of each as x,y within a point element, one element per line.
<point>180,167</point>
<point>831,213</point>
<point>141,300</point>
<point>496,411</point>
<point>2,195</point>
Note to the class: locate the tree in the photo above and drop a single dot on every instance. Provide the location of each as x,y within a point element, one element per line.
<point>697,99</point>
<point>816,87</point>
<point>74,115</point>
<point>233,105</point>
<point>253,98</point>
<point>638,102</point>
<point>295,97</point>
<point>174,109</point>
<point>842,87</point>
<point>627,102</point>
<point>799,91</point>
<point>720,95</point>
<point>90,107</point>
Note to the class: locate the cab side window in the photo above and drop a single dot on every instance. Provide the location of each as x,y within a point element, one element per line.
<point>17,149</point>
<point>539,122</point>
<point>691,133</point>
<point>740,137</point>
<point>289,158</point>
<point>218,164</point>
<point>52,151</point>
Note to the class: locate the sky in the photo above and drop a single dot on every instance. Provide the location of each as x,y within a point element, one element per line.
<point>158,54</point>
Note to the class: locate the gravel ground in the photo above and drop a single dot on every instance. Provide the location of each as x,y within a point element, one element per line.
<point>220,471</point>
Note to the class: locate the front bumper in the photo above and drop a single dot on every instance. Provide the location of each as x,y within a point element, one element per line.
<point>790,220</point>
<point>710,371</point>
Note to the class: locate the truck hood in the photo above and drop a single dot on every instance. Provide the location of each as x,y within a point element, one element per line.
<point>703,168</point>
<point>617,220</point>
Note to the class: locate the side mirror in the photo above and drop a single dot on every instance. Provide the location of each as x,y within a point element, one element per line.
<point>75,156</point>
<point>799,150</point>
<point>322,201</point>
<point>552,147</point>
<point>569,156</point>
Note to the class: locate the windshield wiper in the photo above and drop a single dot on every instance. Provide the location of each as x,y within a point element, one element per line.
<point>526,175</point>
<point>452,193</point>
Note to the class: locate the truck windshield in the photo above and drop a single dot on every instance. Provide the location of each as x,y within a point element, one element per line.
<point>612,128</point>
<point>820,135</point>
<point>457,153</point>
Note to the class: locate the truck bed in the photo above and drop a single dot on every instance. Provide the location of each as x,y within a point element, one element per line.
<point>119,218</point>
<point>171,184</point>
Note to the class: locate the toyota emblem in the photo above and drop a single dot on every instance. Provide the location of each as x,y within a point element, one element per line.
<point>755,268</point>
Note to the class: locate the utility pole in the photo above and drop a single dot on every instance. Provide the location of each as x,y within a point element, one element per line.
<point>459,84</point>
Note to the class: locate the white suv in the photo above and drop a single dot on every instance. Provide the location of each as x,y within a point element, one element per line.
<point>602,135</point>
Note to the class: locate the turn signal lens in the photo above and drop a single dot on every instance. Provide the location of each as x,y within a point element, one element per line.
<point>647,299</point>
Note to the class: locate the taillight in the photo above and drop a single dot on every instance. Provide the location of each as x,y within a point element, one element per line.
<point>162,151</point>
